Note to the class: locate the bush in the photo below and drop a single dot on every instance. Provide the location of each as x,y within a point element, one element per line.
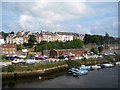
<point>10,68</point>
<point>94,50</point>
<point>3,69</point>
<point>19,47</point>
<point>100,48</point>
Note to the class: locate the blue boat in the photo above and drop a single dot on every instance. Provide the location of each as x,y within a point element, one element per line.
<point>83,67</point>
<point>72,70</point>
<point>80,72</point>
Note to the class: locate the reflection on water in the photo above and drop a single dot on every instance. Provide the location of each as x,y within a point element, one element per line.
<point>105,78</point>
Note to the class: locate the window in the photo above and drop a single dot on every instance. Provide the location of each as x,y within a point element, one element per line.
<point>3,48</point>
<point>3,52</point>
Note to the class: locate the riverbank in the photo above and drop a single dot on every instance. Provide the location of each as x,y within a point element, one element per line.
<point>25,74</point>
<point>103,78</point>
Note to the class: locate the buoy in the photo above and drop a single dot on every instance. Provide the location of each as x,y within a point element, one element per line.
<point>40,77</point>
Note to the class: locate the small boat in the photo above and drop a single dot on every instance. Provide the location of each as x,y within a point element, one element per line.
<point>83,67</point>
<point>72,70</point>
<point>17,61</point>
<point>109,65</point>
<point>30,61</point>
<point>101,65</point>
<point>80,72</point>
<point>40,77</point>
<point>95,67</point>
<point>118,62</point>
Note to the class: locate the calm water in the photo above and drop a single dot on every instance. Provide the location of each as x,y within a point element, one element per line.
<point>105,78</point>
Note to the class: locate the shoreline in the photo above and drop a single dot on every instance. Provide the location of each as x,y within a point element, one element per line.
<point>43,72</point>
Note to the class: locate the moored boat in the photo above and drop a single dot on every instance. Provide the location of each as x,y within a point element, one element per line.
<point>80,72</point>
<point>109,65</point>
<point>96,67</point>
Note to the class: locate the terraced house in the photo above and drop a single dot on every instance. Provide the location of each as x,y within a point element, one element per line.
<point>9,49</point>
<point>23,37</point>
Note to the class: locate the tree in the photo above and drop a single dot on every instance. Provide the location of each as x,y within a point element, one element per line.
<point>19,47</point>
<point>43,42</point>
<point>32,40</point>
<point>106,38</point>
<point>100,48</point>
<point>4,35</point>
<point>94,50</point>
<point>87,39</point>
<point>12,32</point>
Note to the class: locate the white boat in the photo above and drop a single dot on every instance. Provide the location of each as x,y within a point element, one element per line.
<point>108,65</point>
<point>95,67</point>
<point>31,61</point>
<point>72,70</point>
<point>78,58</point>
<point>83,67</point>
<point>118,62</point>
<point>22,56</point>
<point>80,72</point>
<point>16,61</point>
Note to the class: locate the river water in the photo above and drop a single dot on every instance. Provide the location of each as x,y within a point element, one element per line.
<point>104,78</point>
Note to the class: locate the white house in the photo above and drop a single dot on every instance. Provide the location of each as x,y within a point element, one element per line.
<point>2,41</point>
<point>64,36</point>
<point>9,38</point>
<point>18,40</point>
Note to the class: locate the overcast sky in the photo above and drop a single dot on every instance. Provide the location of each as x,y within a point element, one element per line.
<point>79,17</point>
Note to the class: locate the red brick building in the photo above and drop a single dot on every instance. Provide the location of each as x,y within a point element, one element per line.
<point>57,53</point>
<point>9,49</point>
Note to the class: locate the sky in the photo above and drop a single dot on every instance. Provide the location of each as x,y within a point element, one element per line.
<point>82,17</point>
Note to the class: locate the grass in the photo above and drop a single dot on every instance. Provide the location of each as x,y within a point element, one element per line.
<point>34,67</point>
<point>6,60</point>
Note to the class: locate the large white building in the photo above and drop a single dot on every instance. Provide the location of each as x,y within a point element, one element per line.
<point>64,36</point>
<point>2,41</point>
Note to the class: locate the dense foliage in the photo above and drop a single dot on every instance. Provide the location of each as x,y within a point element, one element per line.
<point>19,47</point>
<point>100,40</point>
<point>100,48</point>
<point>76,43</point>
<point>94,50</point>
<point>32,40</point>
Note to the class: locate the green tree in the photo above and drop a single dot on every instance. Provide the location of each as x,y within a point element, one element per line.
<point>94,50</point>
<point>43,42</point>
<point>32,40</point>
<point>12,32</point>
<point>100,48</point>
<point>4,35</point>
<point>106,38</point>
<point>19,47</point>
<point>87,39</point>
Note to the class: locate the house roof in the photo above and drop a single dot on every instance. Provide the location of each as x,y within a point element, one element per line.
<point>63,33</point>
